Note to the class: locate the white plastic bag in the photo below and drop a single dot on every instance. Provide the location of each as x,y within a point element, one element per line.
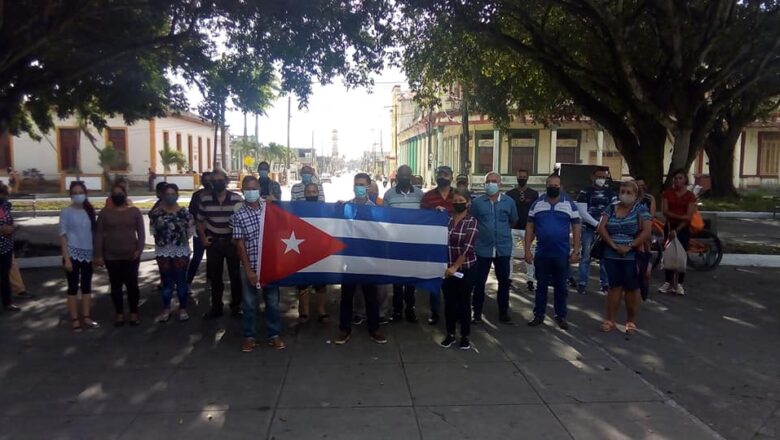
<point>675,256</point>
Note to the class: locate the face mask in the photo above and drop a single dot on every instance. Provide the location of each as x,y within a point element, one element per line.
<point>553,191</point>
<point>251,195</point>
<point>306,178</point>
<point>170,199</point>
<point>443,182</point>
<point>312,198</point>
<point>78,199</point>
<point>521,182</point>
<point>627,199</point>
<point>360,191</point>
<point>491,188</point>
<point>263,174</point>
<point>459,207</point>
<point>600,182</point>
<point>404,183</point>
<point>118,199</point>
<point>218,186</point>
<point>207,184</point>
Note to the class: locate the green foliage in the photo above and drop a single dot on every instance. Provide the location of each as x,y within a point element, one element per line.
<point>110,158</point>
<point>170,157</point>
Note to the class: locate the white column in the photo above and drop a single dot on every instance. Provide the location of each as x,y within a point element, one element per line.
<point>439,156</point>
<point>599,147</point>
<point>553,146</point>
<point>737,162</point>
<point>496,147</point>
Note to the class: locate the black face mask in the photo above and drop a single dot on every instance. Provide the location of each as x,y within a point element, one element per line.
<point>207,185</point>
<point>521,182</point>
<point>443,182</point>
<point>118,199</point>
<point>553,191</point>
<point>459,207</point>
<point>312,198</point>
<point>218,186</point>
<point>404,183</point>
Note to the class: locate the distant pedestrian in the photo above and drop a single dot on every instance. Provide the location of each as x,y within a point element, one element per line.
<point>591,203</point>
<point>362,181</point>
<point>7,229</point>
<point>13,181</point>
<point>172,226</point>
<point>418,181</point>
<point>678,205</point>
<point>214,212</point>
<point>496,214</point>
<point>119,241</point>
<point>550,219</point>
<point>404,195</point>
<point>311,194</point>
<point>77,223</point>
<point>270,189</point>
<point>645,198</point>
<point>247,228</point>
<point>307,176</point>
<point>625,228</point>
<point>197,243</point>
<point>524,196</point>
<point>460,274</point>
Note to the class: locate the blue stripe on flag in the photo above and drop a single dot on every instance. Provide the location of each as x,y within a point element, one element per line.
<point>313,278</point>
<point>358,247</point>
<point>369,213</point>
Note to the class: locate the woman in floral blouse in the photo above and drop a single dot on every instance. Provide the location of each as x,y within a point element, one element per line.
<point>172,227</point>
<point>7,229</point>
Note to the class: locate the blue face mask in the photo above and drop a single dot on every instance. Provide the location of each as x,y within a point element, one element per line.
<point>491,188</point>
<point>251,195</point>
<point>306,178</point>
<point>263,174</point>
<point>361,191</point>
<point>78,198</point>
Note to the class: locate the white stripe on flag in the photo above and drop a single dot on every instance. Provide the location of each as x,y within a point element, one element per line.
<point>378,266</point>
<point>399,233</point>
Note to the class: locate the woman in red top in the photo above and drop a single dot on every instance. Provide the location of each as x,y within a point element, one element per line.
<point>678,205</point>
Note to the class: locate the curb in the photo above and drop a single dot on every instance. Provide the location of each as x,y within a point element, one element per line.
<point>739,214</point>
<point>750,260</point>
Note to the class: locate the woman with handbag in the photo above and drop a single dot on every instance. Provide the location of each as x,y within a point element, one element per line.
<point>624,229</point>
<point>678,205</point>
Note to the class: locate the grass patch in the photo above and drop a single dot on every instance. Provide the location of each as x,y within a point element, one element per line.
<point>753,202</point>
<point>751,248</point>
<point>43,205</point>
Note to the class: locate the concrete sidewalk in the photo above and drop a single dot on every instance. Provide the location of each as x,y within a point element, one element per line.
<point>189,380</point>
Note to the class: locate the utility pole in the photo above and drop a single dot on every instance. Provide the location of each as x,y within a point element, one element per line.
<point>381,154</point>
<point>257,128</point>
<point>289,116</point>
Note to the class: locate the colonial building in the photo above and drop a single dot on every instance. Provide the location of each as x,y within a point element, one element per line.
<point>67,153</point>
<point>424,140</point>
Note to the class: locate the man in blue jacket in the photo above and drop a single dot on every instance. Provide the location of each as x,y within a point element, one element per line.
<point>496,214</point>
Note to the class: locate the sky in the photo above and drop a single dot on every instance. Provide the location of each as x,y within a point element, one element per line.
<point>358,114</point>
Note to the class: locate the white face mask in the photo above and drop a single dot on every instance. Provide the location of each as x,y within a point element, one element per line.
<point>627,199</point>
<point>601,182</point>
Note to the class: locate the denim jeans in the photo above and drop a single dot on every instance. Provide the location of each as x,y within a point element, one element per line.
<point>173,272</point>
<point>249,300</point>
<point>587,239</point>
<point>501,266</point>
<point>197,257</point>
<point>555,269</point>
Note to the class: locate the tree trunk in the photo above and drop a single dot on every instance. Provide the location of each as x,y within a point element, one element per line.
<point>464,139</point>
<point>644,152</point>
<point>720,147</point>
<point>214,146</point>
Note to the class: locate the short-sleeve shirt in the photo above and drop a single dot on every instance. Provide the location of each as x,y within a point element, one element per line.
<point>77,228</point>
<point>395,198</point>
<point>552,222</point>
<point>523,200</point>
<point>678,204</point>
<point>172,232</point>
<point>247,222</point>
<point>270,187</point>
<point>597,198</point>
<point>297,192</point>
<point>217,215</point>
<point>433,198</point>
<point>623,230</point>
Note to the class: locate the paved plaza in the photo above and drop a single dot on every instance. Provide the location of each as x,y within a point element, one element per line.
<point>702,366</point>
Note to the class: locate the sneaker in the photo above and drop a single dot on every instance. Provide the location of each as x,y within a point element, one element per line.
<point>411,317</point>
<point>581,290</point>
<point>679,290</point>
<point>397,317</point>
<point>276,343</point>
<point>433,320</point>
<point>12,308</point>
<point>505,319</point>
<point>25,295</point>
<point>538,320</point>
<point>383,320</point>
<point>247,345</point>
<point>665,288</point>
<point>163,317</point>
<point>183,316</point>
<point>357,320</point>
<point>572,282</point>
<point>477,319</point>
<point>562,323</point>
<point>379,338</point>
<point>465,344</point>
<point>531,286</point>
<point>342,338</point>
<point>605,289</point>
<point>448,341</point>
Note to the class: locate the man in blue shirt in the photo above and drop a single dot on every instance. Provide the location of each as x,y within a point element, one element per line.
<point>591,203</point>
<point>496,214</point>
<point>551,217</point>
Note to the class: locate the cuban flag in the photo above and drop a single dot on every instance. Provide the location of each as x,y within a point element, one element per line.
<point>305,243</point>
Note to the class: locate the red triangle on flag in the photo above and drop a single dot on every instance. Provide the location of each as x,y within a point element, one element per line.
<point>290,244</point>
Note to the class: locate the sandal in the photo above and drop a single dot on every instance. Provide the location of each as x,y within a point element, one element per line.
<point>607,326</point>
<point>89,323</point>
<point>630,328</point>
<point>75,325</point>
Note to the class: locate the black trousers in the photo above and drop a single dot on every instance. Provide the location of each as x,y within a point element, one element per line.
<point>5,279</point>
<point>124,273</point>
<point>372,306</point>
<point>403,298</point>
<point>81,273</point>
<point>457,301</point>
<point>221,250</point>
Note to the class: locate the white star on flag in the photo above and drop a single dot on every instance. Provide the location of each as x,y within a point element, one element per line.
<point>292,243</point>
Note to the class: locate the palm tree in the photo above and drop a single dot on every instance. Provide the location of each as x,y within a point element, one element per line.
<point>170,157</point>
<point>244,147</point>
<point>110,159</point>
<point>274,152</point>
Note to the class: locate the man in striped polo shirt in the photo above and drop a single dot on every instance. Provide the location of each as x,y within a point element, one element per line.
<point>215,209</point>
<point>297,191</point>
<point>403,195</point>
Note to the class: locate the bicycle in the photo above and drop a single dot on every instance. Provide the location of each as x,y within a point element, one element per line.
<point>705,250</point>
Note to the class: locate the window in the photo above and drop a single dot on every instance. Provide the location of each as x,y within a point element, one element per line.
<point>189,151</point>
<point>568,143</point>
<point>178,141</point>
<point>522,150</point>
<point>6,157</point>
<point>200,154</point>
<point>208,153</point>
<point>484,153</point>
<point>118,139</point>
<point>68,141</point>
<point>768,154</point>
<point>166,140</point>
